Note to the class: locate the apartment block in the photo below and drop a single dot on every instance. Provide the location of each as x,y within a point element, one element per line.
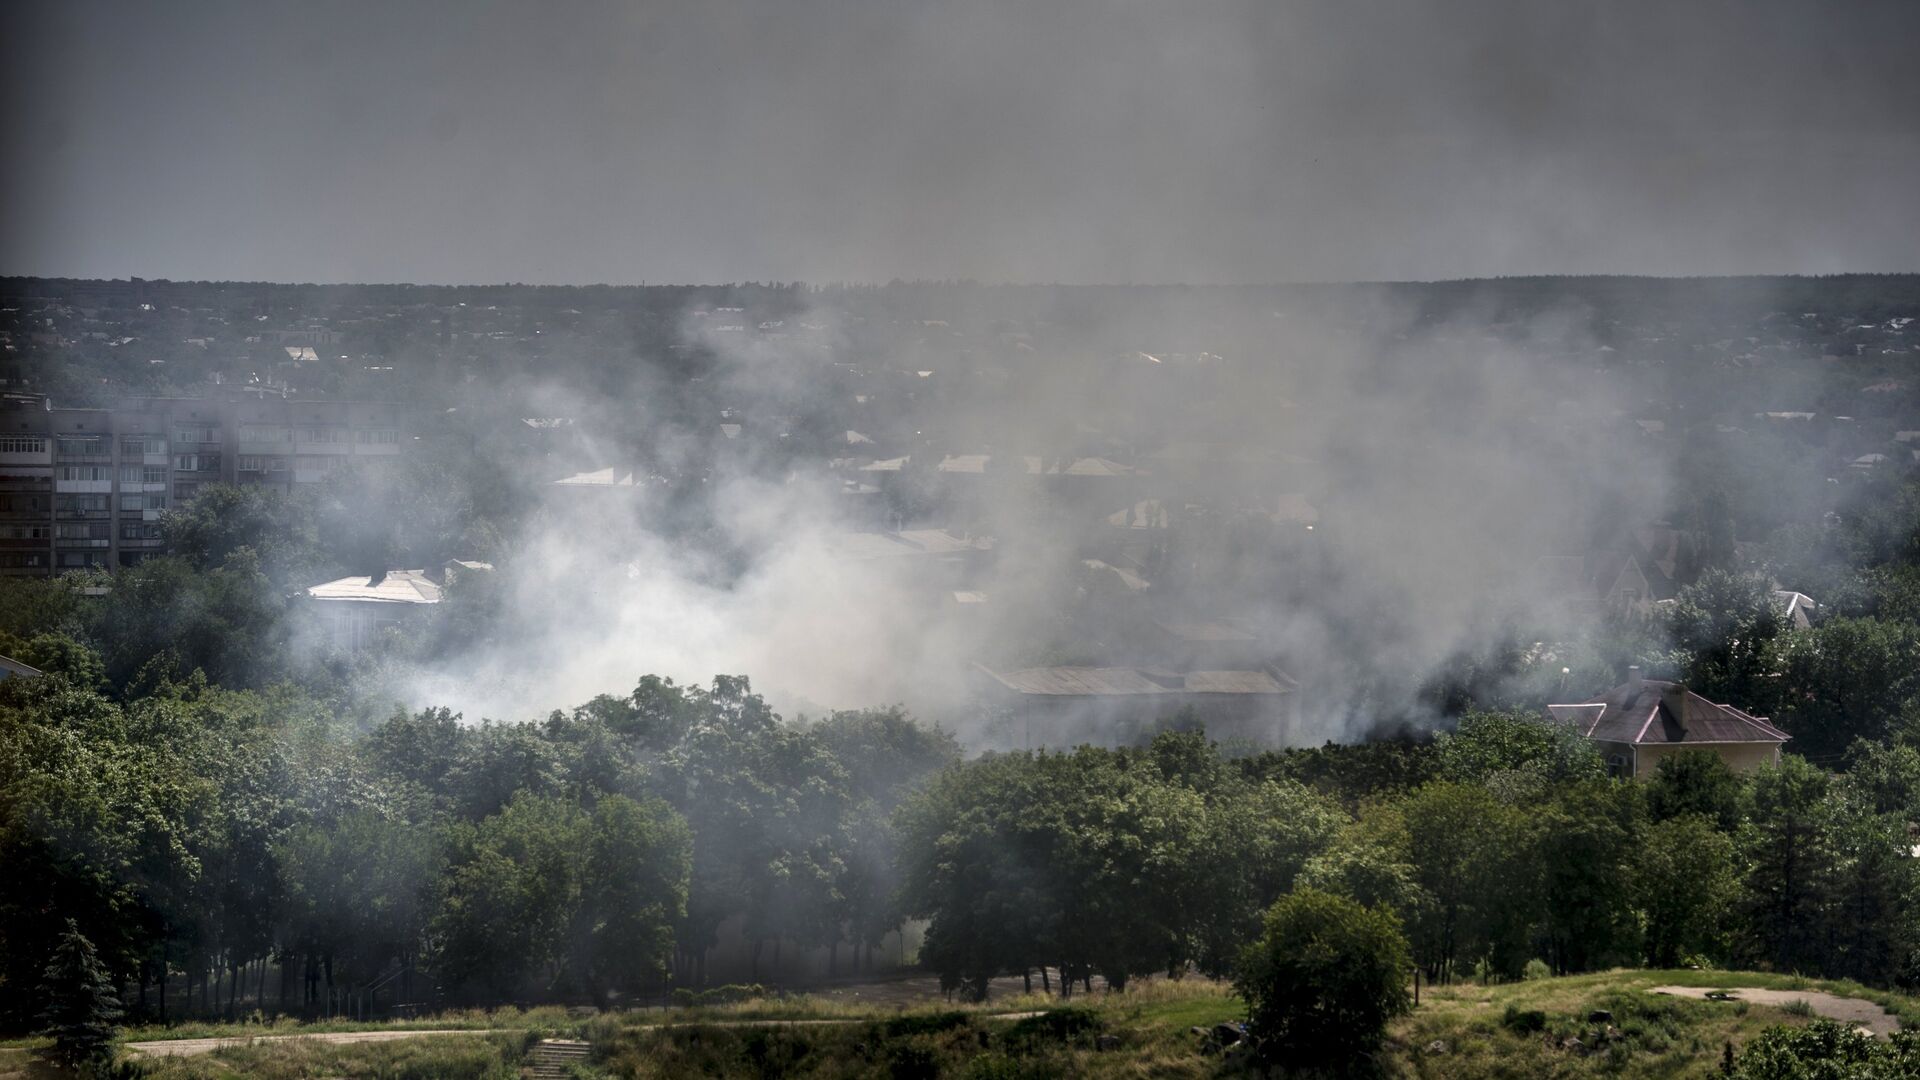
<point>86,487</point>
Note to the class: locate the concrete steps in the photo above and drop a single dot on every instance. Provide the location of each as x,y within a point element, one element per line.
<point>550,1059</point>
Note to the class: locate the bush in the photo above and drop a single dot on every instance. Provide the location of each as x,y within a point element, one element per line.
<point>1524,1021</point>
<point>900,1027</point>
<point>1826,1049</point>
<point>1323,980</point>
<point>730,994</point>
<point>1536,969</point>
<point>1074,1023</point>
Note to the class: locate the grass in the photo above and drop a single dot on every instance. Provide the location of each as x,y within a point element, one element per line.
<point>1491,1032</point>
<point>1522,1029</point>
<point>456,1020</point>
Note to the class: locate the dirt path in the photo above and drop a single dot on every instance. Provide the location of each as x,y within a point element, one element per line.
<point>185,1047</point>
<point>1856,1011</point>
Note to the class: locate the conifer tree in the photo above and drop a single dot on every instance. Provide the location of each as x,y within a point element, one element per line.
<point>81,1010</point>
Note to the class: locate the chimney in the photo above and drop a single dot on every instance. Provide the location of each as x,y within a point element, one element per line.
<point>1674,697</point>
<point>1633,675</point>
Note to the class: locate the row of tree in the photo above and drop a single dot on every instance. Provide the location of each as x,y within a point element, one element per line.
<point>1498,845</point>
<point>221,848</point>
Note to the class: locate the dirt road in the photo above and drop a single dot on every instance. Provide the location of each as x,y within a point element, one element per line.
<point>186,1047</point>
<point>1856,1011</point>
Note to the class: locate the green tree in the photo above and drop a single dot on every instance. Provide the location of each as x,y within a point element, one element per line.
<point>1724,625</point>
<point>1587,838</point>
<point>1516,753</point>
<point>1686,885</point>
<point>81,1010</point>
<point>634,892</point>
<point>1694,781</point>
<point>1323,981</point>
<point>1786,843</point>
<point>1847,679</point>
<point>1474,860</point>
<point>511,894</point>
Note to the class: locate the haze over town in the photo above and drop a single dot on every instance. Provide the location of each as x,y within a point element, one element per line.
<point>639,506</point>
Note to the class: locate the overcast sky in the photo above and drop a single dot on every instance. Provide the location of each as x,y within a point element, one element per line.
<point>1033,141</point>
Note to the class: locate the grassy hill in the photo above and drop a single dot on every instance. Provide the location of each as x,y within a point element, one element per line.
<point>1520,1030</point>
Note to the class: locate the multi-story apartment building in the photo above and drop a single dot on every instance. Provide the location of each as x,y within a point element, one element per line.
<point>86,487</point>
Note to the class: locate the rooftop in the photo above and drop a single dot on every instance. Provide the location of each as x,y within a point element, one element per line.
<point>1654,711</point>
<point>393,587</point>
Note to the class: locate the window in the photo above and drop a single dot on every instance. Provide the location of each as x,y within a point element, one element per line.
<point>71,504</point>
<point>76,560</point>
<point>143,500</point>
<point>251,463</point>
<point>85,472</point>
<point>24,560</point>
<point>376,436</point>
<point>323,435</point>
<point>153,474</point>
<point>1617,766</point>
<point>263,433</point>
<point>25,503</point>
<point>276,464</point>
<point>24,532</point>
<point>88,531</point>
<point>80,445</point>
<point>199,433</point>
<point>140,530</point>
<point>143,444</point>
<point>23,444</point>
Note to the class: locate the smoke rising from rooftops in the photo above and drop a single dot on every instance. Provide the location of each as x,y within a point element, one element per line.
<point>1349,486</point>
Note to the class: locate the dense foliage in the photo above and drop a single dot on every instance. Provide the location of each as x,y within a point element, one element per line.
<point>1507,845</point>
<point>1323,980</point>
<point>206,840</point>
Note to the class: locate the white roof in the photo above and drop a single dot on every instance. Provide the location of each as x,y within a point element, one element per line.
<point>599,478</point>
<point>394,587</point>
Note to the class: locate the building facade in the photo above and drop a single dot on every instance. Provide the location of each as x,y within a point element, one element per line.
<point>85,488</point>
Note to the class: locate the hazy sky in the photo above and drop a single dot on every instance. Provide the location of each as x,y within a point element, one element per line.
<point>1044,140</point>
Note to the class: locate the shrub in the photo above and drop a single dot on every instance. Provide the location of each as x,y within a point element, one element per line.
<point>1536,969</point>
<point>1074,1023</point>
<point>1323,980</point>
<point>900,1027</point>
<point>1826,1049</point>
<point>730,994</point>
<point>1524,1021</point>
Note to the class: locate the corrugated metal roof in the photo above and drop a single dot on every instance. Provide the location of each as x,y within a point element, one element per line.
<point>395,587</point>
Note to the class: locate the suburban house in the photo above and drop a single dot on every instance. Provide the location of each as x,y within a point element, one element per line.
<point>356,610</point>
<point>1643,720</point>
<point>1122,706</point>
<point>14,669</point>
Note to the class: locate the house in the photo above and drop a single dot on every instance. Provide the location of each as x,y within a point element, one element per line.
<point>1120,706</point>
<point>14,669</point>
<point>1796,608</point>
<point>1643,720</point>
<point>356,610</point>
